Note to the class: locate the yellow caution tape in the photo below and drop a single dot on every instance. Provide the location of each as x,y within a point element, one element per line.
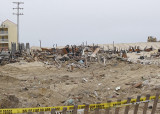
<point>69,108</point>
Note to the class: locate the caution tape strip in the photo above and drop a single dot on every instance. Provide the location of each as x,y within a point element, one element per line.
<point>69,108</point>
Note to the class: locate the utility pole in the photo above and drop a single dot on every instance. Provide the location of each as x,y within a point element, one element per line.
<point>113,47</point>
<point>40,43</point>
<point>18,14</point>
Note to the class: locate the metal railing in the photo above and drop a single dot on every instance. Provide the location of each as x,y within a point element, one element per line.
<point>3,32</point>
<point>3,40</point>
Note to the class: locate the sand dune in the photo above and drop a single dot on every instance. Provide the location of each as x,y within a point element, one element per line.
<point>142,45</point>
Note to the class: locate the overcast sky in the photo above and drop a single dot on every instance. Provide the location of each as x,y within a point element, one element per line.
<point>76,21</point>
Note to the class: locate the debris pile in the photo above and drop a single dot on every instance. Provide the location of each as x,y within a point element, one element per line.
<point>38,84</point>
<point>152,39</point>
<point>10,101</point>
<point>79,56</point>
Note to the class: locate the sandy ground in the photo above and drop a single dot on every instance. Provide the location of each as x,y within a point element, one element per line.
<point>37,85</point>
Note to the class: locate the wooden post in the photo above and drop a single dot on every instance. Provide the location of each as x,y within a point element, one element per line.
<point>28,48</point>
<point>104,60</point>
<point>83,44</point>
<point>75,109</point>
<point>41,112</point>
<point>53,111</point>
<point>72,67</point>
<point>64,110</point>
<point>118,108</point>
<point>107,110</point>
<point>155,104</point>
<point>30,113</point>
<point>85,62</point>
<point>97,110</point>
<point>127,107</point>
<point>86,109</point>
<point>90,59</point>
<point>137,105</point>
<point>99,59</point>
<point>114,50</point>
<point>146,104</point>
<point>113,46</point>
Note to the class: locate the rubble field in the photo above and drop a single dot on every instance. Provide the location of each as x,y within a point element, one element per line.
<point>36,84</point>
<point>77,75</point>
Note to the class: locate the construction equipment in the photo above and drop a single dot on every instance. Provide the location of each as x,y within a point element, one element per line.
<point>152,39</point>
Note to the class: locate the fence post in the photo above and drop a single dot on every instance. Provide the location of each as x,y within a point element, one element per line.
<point>127,107</point>
<point>86,109</point>
<point>53,111</point>
<point>97,109</point>
<point>155,104</point>
<point>75,109</point>
<point>117,108</point>
<point>137,105</point>
<point>41,112</point>
<point>99,59</point>
<point>107,110</point>
<point>146,104</point>
<point>85,62</point>
<point>30,113</point>
<point>64,110</point>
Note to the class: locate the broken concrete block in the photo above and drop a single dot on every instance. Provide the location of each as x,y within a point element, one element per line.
<point>118,88</point>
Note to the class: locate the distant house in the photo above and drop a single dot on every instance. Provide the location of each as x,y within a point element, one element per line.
<point>8,34</point>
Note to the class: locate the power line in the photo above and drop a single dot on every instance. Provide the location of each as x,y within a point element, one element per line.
<point>18,14</point>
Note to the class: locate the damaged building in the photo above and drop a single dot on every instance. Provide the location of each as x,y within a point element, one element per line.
<point>8,35</point>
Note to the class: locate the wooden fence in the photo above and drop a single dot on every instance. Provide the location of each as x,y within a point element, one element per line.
<point>117,109</point>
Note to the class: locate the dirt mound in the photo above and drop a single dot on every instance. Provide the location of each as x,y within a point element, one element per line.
<point>7,79</point>
<point>11,101</point>
<point>34,85</point>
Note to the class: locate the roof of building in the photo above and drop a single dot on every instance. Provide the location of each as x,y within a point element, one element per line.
<point>5,23</point>
<point>9,21</point>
